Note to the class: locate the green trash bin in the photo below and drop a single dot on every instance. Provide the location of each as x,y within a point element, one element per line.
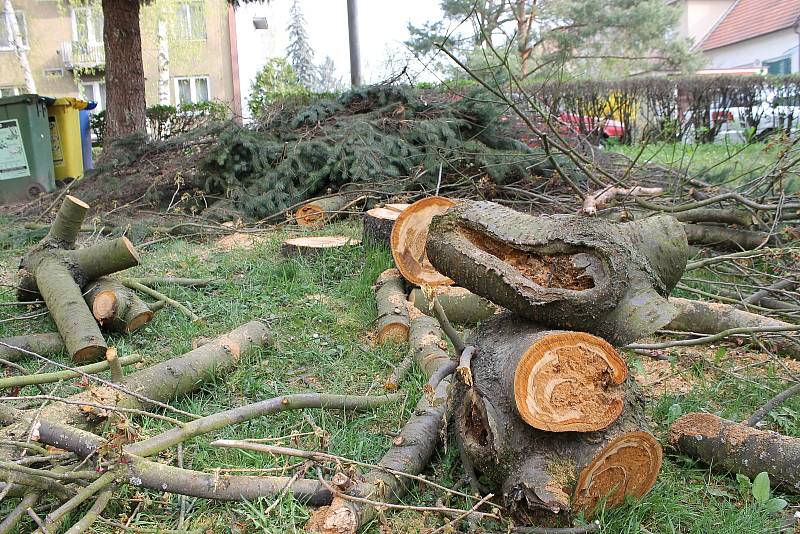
<point>26,158</point>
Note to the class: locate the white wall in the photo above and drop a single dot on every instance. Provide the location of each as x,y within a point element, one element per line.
<point>255,47</point>
<point>699,16</point>
<point>764,48</point>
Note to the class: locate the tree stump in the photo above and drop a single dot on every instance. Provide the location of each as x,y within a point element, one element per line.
<point>392,322</point>
<point>314,246</point>
<point>566,380</point>
<point>563,271</point>
<point>317,212</point>
<point>408,241</point>
<point>378,223</point>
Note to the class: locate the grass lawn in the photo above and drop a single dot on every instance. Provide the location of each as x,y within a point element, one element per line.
<point>323,311</point>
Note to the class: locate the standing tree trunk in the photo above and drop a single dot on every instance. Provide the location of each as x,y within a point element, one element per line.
<point>19,47</point>
<point>163,64</point>
<point>125,110</point>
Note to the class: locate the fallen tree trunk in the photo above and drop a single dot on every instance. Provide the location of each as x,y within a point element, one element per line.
<point>458,303</point>
<point>115,306</point>
<point>392,323</point>
<point>725,238</point>
<point>317,212</point>
<point>730,446</point>
<point>408,239</point>
<point>542,473</point>
<point>378,224</point>
<point>413,448</point>
<point>314,246</point>
<point>572,272</point>
<point>47,344</point>
<point>713,317</point>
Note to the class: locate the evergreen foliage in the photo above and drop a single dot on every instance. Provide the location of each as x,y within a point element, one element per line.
<point>275,80</point>
<point>299,52</point>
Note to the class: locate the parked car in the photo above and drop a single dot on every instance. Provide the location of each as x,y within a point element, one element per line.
<point>603,128</point>
<point>745,123</point>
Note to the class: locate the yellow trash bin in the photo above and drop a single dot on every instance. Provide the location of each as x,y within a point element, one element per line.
<point>65,137</point>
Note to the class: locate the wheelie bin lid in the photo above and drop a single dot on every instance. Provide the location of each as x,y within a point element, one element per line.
<point>28,98</point>
<point>71,102</point>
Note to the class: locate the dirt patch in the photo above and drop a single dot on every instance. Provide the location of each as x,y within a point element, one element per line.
<point>661,377</point>
<point>546,270</point>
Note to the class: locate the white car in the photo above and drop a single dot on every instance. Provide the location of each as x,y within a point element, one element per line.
<point>773,114</point>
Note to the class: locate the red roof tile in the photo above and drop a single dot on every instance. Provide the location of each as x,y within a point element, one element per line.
<point>750,18</point>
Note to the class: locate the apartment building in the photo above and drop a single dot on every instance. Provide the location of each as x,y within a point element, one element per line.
<point>188,49</point>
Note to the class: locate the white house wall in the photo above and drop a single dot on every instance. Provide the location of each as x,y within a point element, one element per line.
<point>699,16</point>
<point>747,53</point>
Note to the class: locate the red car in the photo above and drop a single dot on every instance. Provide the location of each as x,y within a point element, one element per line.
<point>588,125</point>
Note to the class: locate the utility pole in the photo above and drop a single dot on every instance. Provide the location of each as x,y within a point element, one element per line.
<point>355,54</point>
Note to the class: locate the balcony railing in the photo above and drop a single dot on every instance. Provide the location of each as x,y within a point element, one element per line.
<point>75,54</point>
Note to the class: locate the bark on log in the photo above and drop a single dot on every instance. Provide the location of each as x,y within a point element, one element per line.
<point>541,473</point>
<point>408,239</point>
<point>710,215</point>
<point>378,224</point>
<point>564,271</point>
<point>392,322</point>
<point>317,212</point>
<point>730,446</point>
<point>161,382</point>
<point>47,344</point>
<point>713,317</point>
<point>458,304</point>
<point>314,246</point>
<point>413,448</point>
<point>725,238</point>
<point>115,306</point>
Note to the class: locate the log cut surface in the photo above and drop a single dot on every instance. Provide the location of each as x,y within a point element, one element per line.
<point>409,235</point>
<point>317,212</point>
<point>310,246</point>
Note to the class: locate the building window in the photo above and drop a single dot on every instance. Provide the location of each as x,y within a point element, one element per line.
<point>192,90</point>
<point>94,90</point>
<point>87,25</point>
<point>5,29</point>
<point>11,91</point>
<point>191,21</point>
<point>779,66</point>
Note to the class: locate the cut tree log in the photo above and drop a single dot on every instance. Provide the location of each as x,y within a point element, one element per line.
<point>412,449</point>
<point>408,239</point>
<point>564,271</point>
<point>392,323</point>
<point>60,275</point>
<point>459,304</point>
<point>729,446</point>
<point>725,238</point>
<point>314,246</point>
<point>541,473</point>
<point>713,317</point>
<point>400,207</point>
<point>378,224</point>
<point>115,306</point>
<point>47,344</point>
<point>600,199</point>
<point>317,212</point>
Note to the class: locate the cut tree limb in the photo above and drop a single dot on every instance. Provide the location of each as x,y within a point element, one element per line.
<point>314,246</point>
<point>564,271</point>
<point>49,378</point>
<point>317,212</point>
<point>47,344</point>
<point>730,446</point>
<point>392,323</point>
<point>725,238</point>
<point>413,448</point>
<point>116,306</point>
<point>459,304</point>
<point>378,224</point>
<point>712,318</point>
<point>409,235</point>
<point>542,473</point>
<point>600,199</point>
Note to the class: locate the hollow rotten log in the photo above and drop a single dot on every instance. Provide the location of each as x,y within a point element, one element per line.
<point>317,212</point>
<point>571,381</point>
<point>115,306</point>
<point>564,271</point>
<point>314,246</point>
<point>730,446</point>
<point>713,317</point>
<point>412,449</point>
<point>408,239</point>
<point>392,323</point>
<point>459,304</point>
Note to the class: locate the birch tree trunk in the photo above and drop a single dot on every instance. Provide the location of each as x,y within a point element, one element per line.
<point>19,47</point>
<point>163,63</point>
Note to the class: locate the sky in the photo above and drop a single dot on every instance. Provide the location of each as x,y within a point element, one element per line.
<point>382,30</point>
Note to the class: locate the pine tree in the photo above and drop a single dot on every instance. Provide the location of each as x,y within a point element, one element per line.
<point>299,52</point>
<point>327,80</point>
